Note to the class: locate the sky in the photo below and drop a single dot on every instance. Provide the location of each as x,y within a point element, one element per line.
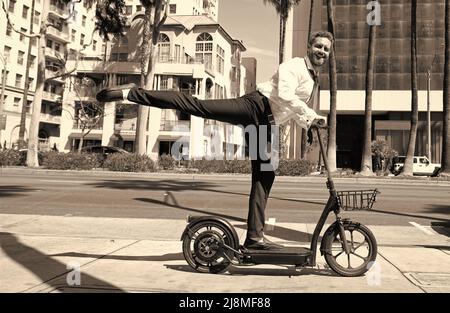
<point>256,24</point>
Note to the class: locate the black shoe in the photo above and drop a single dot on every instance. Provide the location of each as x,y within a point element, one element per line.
<point>113,93</point>
<point>264,244</point>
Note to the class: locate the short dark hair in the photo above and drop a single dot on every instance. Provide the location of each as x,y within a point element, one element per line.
<point>320,33</point>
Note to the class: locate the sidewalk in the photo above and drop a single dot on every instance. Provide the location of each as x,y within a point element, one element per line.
<point>416,180</point>
<point>38,254</point>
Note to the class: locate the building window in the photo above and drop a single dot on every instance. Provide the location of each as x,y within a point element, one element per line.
<point>138,8</point>
<point>22,37</point>
<point>6,52</point>
<point>36,17</point>
<point>203,50</point>
<point>163,48</point>
<point>164,82</point>
<point>83,21</point>
<point>57,46</point>
<point>49,44</point>
<point>32,61</point>
<point>29,103</point>
<point>20,57</point>
<point>94,45</point>
<point>82,39</point>
<point>128,9</point>
<point>8,30</point>
<point>73,34</point>
<point>25,11</point>
<point>16,101</point>
<point>220,56</point>
<point>12,4</point>
<point>18,80</point>
<point>172,8</point>
<point>30,82</point>
<point>33,41</point>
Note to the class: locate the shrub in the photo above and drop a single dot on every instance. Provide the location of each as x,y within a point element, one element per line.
<point>129,163</point>
<point>70,161</point>
<point>294,167</point>
<point>166,162</point>
<point>222,166</point>
<point>13,158</point>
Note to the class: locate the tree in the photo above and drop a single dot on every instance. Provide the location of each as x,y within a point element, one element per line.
<point>446,129</point>
<point>283,7</point>
<point>331,150</point>
<point>366,162</point>
<point>155,14</point>
<point>23,114</point>
<point>408,167</point>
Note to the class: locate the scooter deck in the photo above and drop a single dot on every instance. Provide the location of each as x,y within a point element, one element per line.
<point>287,255</point>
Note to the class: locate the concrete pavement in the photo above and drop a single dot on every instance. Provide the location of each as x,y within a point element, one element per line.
<point>42,253</point>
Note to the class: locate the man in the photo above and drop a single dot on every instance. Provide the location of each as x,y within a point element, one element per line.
<point>288,95</point>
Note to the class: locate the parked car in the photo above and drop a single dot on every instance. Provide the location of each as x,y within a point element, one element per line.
<point>421,166</point>
<point>104,150</point>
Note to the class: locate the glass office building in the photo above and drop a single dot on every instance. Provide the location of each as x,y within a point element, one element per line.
<point>392,71</point>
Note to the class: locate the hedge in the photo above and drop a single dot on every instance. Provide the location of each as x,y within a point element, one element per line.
<point>129,163</point>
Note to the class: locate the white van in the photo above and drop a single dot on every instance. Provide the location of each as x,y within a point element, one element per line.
<point>421,166</point>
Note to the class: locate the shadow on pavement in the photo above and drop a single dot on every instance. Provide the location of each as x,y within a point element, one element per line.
<point>150,258</point>
<point>442,209</point>
<point>14,191</point>
<point>175,185</point>
<point>411,215</point>
<point>47,269</point>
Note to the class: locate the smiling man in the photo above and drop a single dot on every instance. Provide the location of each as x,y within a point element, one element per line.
<point>288,95</point>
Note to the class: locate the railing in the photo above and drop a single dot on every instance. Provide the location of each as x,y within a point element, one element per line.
<point>188,91</point>
<point>181,126</point>
<point>125,125</point>
<point>51,118</point>
<point>79,125</point>
<point>87,92</point>
<point>51,96</point>
<point>60,11</point>
<point>60,34</point>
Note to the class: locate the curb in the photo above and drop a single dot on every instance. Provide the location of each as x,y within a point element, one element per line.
<point>236,177</point>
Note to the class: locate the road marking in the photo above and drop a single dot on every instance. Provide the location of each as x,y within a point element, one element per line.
<point>422,228</point>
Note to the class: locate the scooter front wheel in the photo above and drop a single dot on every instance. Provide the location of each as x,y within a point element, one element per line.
<point>362,254</point>
<point>202,247</point>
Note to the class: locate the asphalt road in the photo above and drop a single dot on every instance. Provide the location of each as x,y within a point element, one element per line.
<point>162,198</point>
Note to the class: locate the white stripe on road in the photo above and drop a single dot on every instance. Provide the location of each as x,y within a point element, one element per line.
<point>422,228</point>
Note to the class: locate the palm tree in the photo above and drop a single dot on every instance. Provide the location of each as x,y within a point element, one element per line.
<point>155,14</point>
<point>304,136</point>
<point>366,162</point>
<point>408,167</point>
<point>446,131</point>
<point>331,146</point>
<point>283,7</point>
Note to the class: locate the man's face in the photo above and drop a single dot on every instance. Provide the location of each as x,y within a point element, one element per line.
<point>319,51</point>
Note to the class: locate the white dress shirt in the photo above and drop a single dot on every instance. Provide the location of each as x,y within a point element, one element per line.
<point>290,90</point>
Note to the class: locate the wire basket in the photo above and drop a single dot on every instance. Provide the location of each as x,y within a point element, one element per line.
<point>357,199</point>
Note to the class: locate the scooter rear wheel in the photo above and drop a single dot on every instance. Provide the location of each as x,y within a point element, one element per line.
<point>201,247</point>
<point>363,250</point>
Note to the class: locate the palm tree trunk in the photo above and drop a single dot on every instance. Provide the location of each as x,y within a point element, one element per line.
<point>23,115</point>
<point>366,162</point>
<point>408,167</point>
<point>304,138</point>
<point>281,45</point>
<point>446,130</point>
<point>331,146</point>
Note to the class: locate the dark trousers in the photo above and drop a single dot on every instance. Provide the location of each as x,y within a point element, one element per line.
<point>251,109</point>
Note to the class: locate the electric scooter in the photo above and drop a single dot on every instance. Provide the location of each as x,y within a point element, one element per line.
<point>211,244</point>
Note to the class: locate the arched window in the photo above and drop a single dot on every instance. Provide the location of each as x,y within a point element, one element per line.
<point>163,48</point>
<point>204,49</point>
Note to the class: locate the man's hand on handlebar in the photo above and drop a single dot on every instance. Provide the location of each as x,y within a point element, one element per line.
<point>317,123</point>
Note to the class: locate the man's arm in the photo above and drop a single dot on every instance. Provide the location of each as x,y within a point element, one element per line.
<point>289,74</point>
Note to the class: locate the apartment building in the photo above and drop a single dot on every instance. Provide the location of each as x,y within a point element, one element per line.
<point>195,55</point>
<point>392,96</point>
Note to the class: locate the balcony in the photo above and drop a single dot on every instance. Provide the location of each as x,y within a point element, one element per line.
<point>61,35</point>
<point>49,52</point>
<point>59,12</point>
<point>77,124</point>
<point>50,118</point>
<point>126,125</point>
<point>87,93</point>
<point>49,73</point>
<point>50,96</point>
<point>175,126</point>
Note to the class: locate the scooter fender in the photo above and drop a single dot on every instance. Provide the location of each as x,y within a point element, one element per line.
<point>330,230</point>
<point>194,220</point>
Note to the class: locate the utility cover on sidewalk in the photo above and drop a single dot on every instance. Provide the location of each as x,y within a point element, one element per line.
<point>430,279</point>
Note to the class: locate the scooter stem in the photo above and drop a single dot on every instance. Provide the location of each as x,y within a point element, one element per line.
<point>330,183</point>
